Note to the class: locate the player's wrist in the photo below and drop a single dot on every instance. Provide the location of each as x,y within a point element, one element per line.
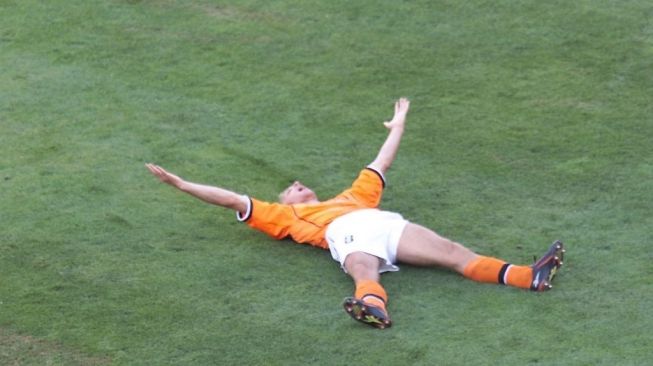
<point>180,184</point>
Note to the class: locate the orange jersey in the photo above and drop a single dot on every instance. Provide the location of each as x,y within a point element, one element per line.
<point>306,222</point>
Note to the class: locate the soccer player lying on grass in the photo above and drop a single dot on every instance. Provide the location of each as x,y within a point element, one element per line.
<point>365,240</point>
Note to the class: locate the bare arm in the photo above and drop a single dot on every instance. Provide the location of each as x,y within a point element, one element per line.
<point>389,148</point>
<point>214,195</point>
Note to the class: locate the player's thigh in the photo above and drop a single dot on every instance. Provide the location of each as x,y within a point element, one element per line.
<point>423,247</point>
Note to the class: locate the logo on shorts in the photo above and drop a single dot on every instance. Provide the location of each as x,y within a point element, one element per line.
<point>349,239</point>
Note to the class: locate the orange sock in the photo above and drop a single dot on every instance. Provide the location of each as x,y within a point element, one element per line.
<point>371,292</point>
<point>493,270</point>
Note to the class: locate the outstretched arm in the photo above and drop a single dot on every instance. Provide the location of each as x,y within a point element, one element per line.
<point>389,149</point>
<point>214,195</point>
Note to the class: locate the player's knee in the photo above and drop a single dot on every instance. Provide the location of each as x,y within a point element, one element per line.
<point>361,266</point>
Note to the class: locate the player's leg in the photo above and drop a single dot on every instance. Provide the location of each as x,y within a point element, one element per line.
<point>368,305</point>
<point>423,247</point>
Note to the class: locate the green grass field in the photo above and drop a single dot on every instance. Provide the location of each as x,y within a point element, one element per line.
<point>531,121</point>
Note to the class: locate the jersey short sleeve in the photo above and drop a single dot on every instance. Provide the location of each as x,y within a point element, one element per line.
<point>273,219</point>
<point>367,189</point>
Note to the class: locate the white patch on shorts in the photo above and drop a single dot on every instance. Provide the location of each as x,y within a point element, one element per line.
<point>370,231</point>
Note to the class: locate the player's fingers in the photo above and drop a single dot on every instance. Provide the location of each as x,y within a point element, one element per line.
<point>154,169</point>
<point>151,168</point>
<point>159,172</point>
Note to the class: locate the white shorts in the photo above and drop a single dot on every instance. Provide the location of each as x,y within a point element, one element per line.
<point>370,231</point>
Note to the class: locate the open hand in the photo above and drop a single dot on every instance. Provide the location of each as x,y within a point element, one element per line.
<point>164,175</point>
<point>401,110</point>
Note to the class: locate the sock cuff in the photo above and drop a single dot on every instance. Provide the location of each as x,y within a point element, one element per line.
<point>370,288</point>
<point>503,273</point>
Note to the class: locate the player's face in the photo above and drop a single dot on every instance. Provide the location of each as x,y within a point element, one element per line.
<point>297,193</point>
